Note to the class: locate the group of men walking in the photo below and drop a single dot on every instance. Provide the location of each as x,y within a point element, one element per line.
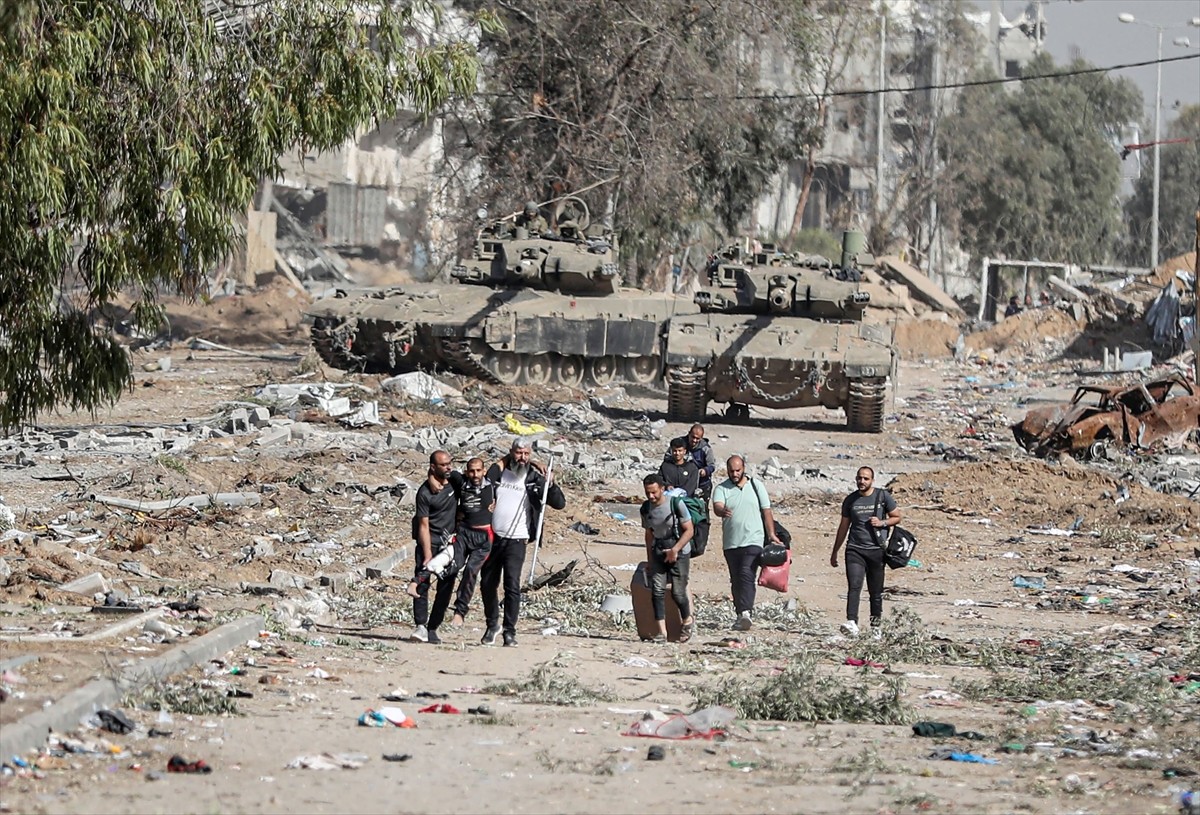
<point>476,526</point>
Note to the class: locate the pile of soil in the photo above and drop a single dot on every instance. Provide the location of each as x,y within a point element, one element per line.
<point>270,314</point>
<point>1037,493</point>
<point>926,338</point>
<point>1027,331</point>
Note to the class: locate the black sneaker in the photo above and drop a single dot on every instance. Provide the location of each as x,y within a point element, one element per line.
<point>510,640</point>
<point>489,636</point>
<point>434,639</point>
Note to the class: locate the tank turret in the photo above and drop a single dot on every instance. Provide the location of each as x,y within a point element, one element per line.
<point>569,261</point>
<point>767,282</point>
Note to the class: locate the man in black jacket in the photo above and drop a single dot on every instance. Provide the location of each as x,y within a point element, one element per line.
<point>519,488</point>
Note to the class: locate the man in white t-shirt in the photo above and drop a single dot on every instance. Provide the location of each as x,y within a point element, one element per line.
<point>520,485</point>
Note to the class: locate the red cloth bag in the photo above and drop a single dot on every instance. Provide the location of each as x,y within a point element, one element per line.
<point>776,577</point>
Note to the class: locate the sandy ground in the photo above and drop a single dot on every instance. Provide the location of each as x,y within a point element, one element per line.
<point>963,645</point>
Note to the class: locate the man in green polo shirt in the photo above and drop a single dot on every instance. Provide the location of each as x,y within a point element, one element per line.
<point>744,508</point>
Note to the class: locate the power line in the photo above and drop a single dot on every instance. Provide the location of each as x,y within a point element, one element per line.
<point>949,85</point>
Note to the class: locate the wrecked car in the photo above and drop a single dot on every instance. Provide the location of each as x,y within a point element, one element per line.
<point>1124,416</point>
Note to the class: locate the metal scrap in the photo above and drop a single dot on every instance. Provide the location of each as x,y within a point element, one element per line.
<point>1131,416</point>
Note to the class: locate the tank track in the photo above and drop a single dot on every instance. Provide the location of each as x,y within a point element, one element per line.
<point>864,409</point>
<point>687,395</point>
<point>331,338</point>
<point>458,354</point>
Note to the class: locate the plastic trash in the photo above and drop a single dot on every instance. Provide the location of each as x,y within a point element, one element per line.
<point>328,761</point>
<point>179,764</point>
<point>520,429</point>
<point>616,516</point>
<point>968,758</point>
<point>441,707</point>
<point>703,724</point>
<point>1021,582</point>
<point>371,718</point>
<point>1189,803</point>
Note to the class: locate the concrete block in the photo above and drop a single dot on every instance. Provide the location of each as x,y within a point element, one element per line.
<point>583,459</point>
<point>273,435</point>
<point>302,430</point>
<point>335,406</point>
<point>239,421</point>
<point>398,439</point>
<point>542,445</point>
<point>635,455</point>
<point>164,364</point>
<point>260,416</point>
<point>336,584</point>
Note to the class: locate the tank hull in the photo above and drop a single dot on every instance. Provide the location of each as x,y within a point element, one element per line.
<point>507,336</point>
<point>777,362</point>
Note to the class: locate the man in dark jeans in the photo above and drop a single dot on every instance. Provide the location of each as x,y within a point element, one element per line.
<point>744,508</point>
<point>519,485</point>
<point>866,515</point>
<point>433,530</point>
<point>669,531</point>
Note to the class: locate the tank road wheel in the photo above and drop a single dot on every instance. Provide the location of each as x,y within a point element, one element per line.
<point>687,394</point>
<point>537,369</point>
<point>642,370</point>
<point>864,410</point>
<point>505,366</point>
<point>568,371</point>
<point>602,371</point>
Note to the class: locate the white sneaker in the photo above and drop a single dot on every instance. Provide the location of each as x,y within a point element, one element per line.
<point>876,634</point>
<point>420,634</point>
<point>849,628</point>
<point>743,622</point>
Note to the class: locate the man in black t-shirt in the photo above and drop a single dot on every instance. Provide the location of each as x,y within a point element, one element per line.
<point>476,500</point>
<point>433,531</point>
<point>866,515</point>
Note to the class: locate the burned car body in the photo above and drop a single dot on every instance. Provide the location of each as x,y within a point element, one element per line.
<point>1127,416</point>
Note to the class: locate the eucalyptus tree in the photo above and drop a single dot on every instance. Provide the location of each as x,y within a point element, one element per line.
<point>136,131</point>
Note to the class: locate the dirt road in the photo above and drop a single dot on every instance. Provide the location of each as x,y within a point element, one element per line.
<point>1069,684</point>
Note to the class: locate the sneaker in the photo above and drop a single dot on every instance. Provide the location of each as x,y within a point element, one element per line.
<point>420,634</point>
<point>876,634</point>
<point>510,640</point>
<point>490,636</point>
<point>743,622</point>
<point>849,628</point>
<point>433,638</point>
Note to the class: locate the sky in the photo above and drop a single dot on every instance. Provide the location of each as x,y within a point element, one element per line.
<point>1090,29</point>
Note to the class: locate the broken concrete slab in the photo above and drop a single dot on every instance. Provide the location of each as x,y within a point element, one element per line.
<point>281,578</point>
<point>228,499</point>
<point>87,585</point>
<point>921,286</point>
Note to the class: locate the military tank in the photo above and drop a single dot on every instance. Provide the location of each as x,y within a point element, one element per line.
<point>778,331</point>
<point>524,308</point>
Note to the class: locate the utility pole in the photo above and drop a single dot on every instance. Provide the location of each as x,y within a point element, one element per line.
<point>880,114</point>
<point>1196,296</point>
<point>934,115</point>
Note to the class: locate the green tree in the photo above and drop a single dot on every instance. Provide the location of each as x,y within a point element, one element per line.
<point>654,110</point>
<point>1179,184</point>
<point>1031,171</point>
<point>136,132</point>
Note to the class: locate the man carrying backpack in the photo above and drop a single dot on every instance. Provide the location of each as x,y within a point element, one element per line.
<point>669,531</point>
<point>679,470</point>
